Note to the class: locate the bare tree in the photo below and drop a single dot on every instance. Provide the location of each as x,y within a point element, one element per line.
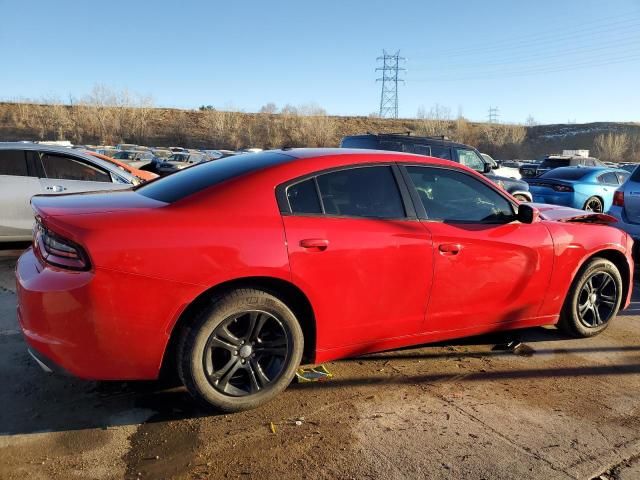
<point>611,147</point>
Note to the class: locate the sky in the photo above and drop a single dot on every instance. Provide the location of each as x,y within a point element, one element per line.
<point>556,61</point>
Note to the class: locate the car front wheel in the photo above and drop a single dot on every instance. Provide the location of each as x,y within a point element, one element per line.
<point>593,301</point>
<point>241,351</point>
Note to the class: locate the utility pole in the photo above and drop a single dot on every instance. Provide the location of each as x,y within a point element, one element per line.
<point>493,115</point>
<point>389,95</point>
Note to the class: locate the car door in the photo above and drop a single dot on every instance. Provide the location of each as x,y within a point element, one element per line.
<point>17,185</point>
<point>609,182</point>
<point>489,269</point>
<point>68,174</point>
<point>359,253</point>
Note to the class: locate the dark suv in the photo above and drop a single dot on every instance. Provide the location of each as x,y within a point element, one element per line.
<point>439,147</point>
<point>554,161</point>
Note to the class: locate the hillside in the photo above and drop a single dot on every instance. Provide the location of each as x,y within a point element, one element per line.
<point>100,124</point>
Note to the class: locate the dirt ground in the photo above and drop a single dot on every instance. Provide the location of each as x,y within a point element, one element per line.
<point>559,408</point>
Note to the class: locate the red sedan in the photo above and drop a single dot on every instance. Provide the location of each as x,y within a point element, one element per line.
<point>247,266</point>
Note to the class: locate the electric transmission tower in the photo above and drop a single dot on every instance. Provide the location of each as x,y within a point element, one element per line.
<point>389,96</point>
<point>493,114</point>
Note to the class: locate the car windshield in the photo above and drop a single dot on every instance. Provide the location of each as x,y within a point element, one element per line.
<point>565,173</point>
<point>124,155</point>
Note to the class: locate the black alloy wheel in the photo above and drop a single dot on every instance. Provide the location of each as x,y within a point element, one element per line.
<point>598,300</point>
<point>246,353</point>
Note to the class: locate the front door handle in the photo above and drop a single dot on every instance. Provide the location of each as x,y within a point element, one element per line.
<point>450,248</point>
<point>315,244</point>
<point>57,188</point>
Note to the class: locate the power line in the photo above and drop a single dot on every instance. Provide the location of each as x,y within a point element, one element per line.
<point>534,71</point>
<point>389,93</point>
<point>554,37</point>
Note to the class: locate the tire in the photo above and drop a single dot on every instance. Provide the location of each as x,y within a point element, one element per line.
<point>221,372</point>
<point>593,204</point>
<point>578,317</point>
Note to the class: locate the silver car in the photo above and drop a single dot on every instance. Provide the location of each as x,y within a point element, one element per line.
<point>626,205</point>
<point>28,169</point>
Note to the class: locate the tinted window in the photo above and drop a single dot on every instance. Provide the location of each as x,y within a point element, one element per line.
<point>470,159</point>
<point>441,152</point>
<point>191,180</point>
<point>66,168</point>
<point>565,173</point>
<point>361,192</point>
<point>554,163</point>
<point>303,197</point>
<point>609,177</point>
<point>13,162</point>
<point>392,146</point>
<point>359,142</point>
<point>452,196</point>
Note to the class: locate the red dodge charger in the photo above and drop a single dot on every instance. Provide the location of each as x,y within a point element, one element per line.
<point>245,267</point>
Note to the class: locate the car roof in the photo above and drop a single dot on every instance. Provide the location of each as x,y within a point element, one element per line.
<point>586,169</point>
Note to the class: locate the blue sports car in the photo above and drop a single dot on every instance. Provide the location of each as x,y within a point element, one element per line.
<point>586,188</point>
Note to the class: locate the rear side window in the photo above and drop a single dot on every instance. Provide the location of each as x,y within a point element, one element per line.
<point>303,197</point>
<point>609,178</point>
<point>361,192</point>
<point>13,162</point>
<point>194,179</point>
<point>65,168</point>
<point>441,152</point>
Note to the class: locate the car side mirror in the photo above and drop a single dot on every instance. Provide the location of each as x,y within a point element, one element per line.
<point>487,168</point>
<point>527,214</point>
<point>495,166</point>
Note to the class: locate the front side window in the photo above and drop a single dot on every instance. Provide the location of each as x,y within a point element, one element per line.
<point>65,168</point>
<point>452,196</point>
<point>470,159</point>
<point>361,192</point>
<point>13,162</point>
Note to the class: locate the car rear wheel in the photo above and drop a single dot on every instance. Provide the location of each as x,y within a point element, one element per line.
<point>593,204</point>
<point>241,351</point>
<point>593,301</point>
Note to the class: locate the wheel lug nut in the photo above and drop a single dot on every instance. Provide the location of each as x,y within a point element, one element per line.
<point>242,361</point>
<point>235,352</point>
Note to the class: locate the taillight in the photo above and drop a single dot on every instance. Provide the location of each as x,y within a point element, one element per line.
<point>562,188</point>
<point>59,251</point>
<point>618,198</point>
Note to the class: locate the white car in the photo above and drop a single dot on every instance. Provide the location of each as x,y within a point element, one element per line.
<point>508,172</point>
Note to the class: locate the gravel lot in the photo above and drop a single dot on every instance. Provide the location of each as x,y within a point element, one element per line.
<point>560,408</point>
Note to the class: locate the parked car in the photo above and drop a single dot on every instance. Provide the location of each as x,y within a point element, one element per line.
<point>135,158</point>
<point>587,188</point>
<point>179,160</point>
<point>140,174</point>
<point>438,147</point>
<point>626,205</point>
<point>306,255</point>
<point>28,169</point>
<point>556,161</point>
<point>500,169</point>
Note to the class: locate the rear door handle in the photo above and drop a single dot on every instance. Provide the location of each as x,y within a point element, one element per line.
<point>450,248</point>
<point>316,244</point>
<point>57,188</point>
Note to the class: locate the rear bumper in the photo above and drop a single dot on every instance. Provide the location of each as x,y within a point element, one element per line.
<point>87,324</point>
<point>633,229</point>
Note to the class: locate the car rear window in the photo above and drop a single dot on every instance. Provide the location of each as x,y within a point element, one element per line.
<point>191,180</point>
<point>565,173</point>
<point>555,163</point>
<point>635,175</point>
<point>13,162</point>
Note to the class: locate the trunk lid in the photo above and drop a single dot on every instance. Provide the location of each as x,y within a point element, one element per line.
<point>91,202</point>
